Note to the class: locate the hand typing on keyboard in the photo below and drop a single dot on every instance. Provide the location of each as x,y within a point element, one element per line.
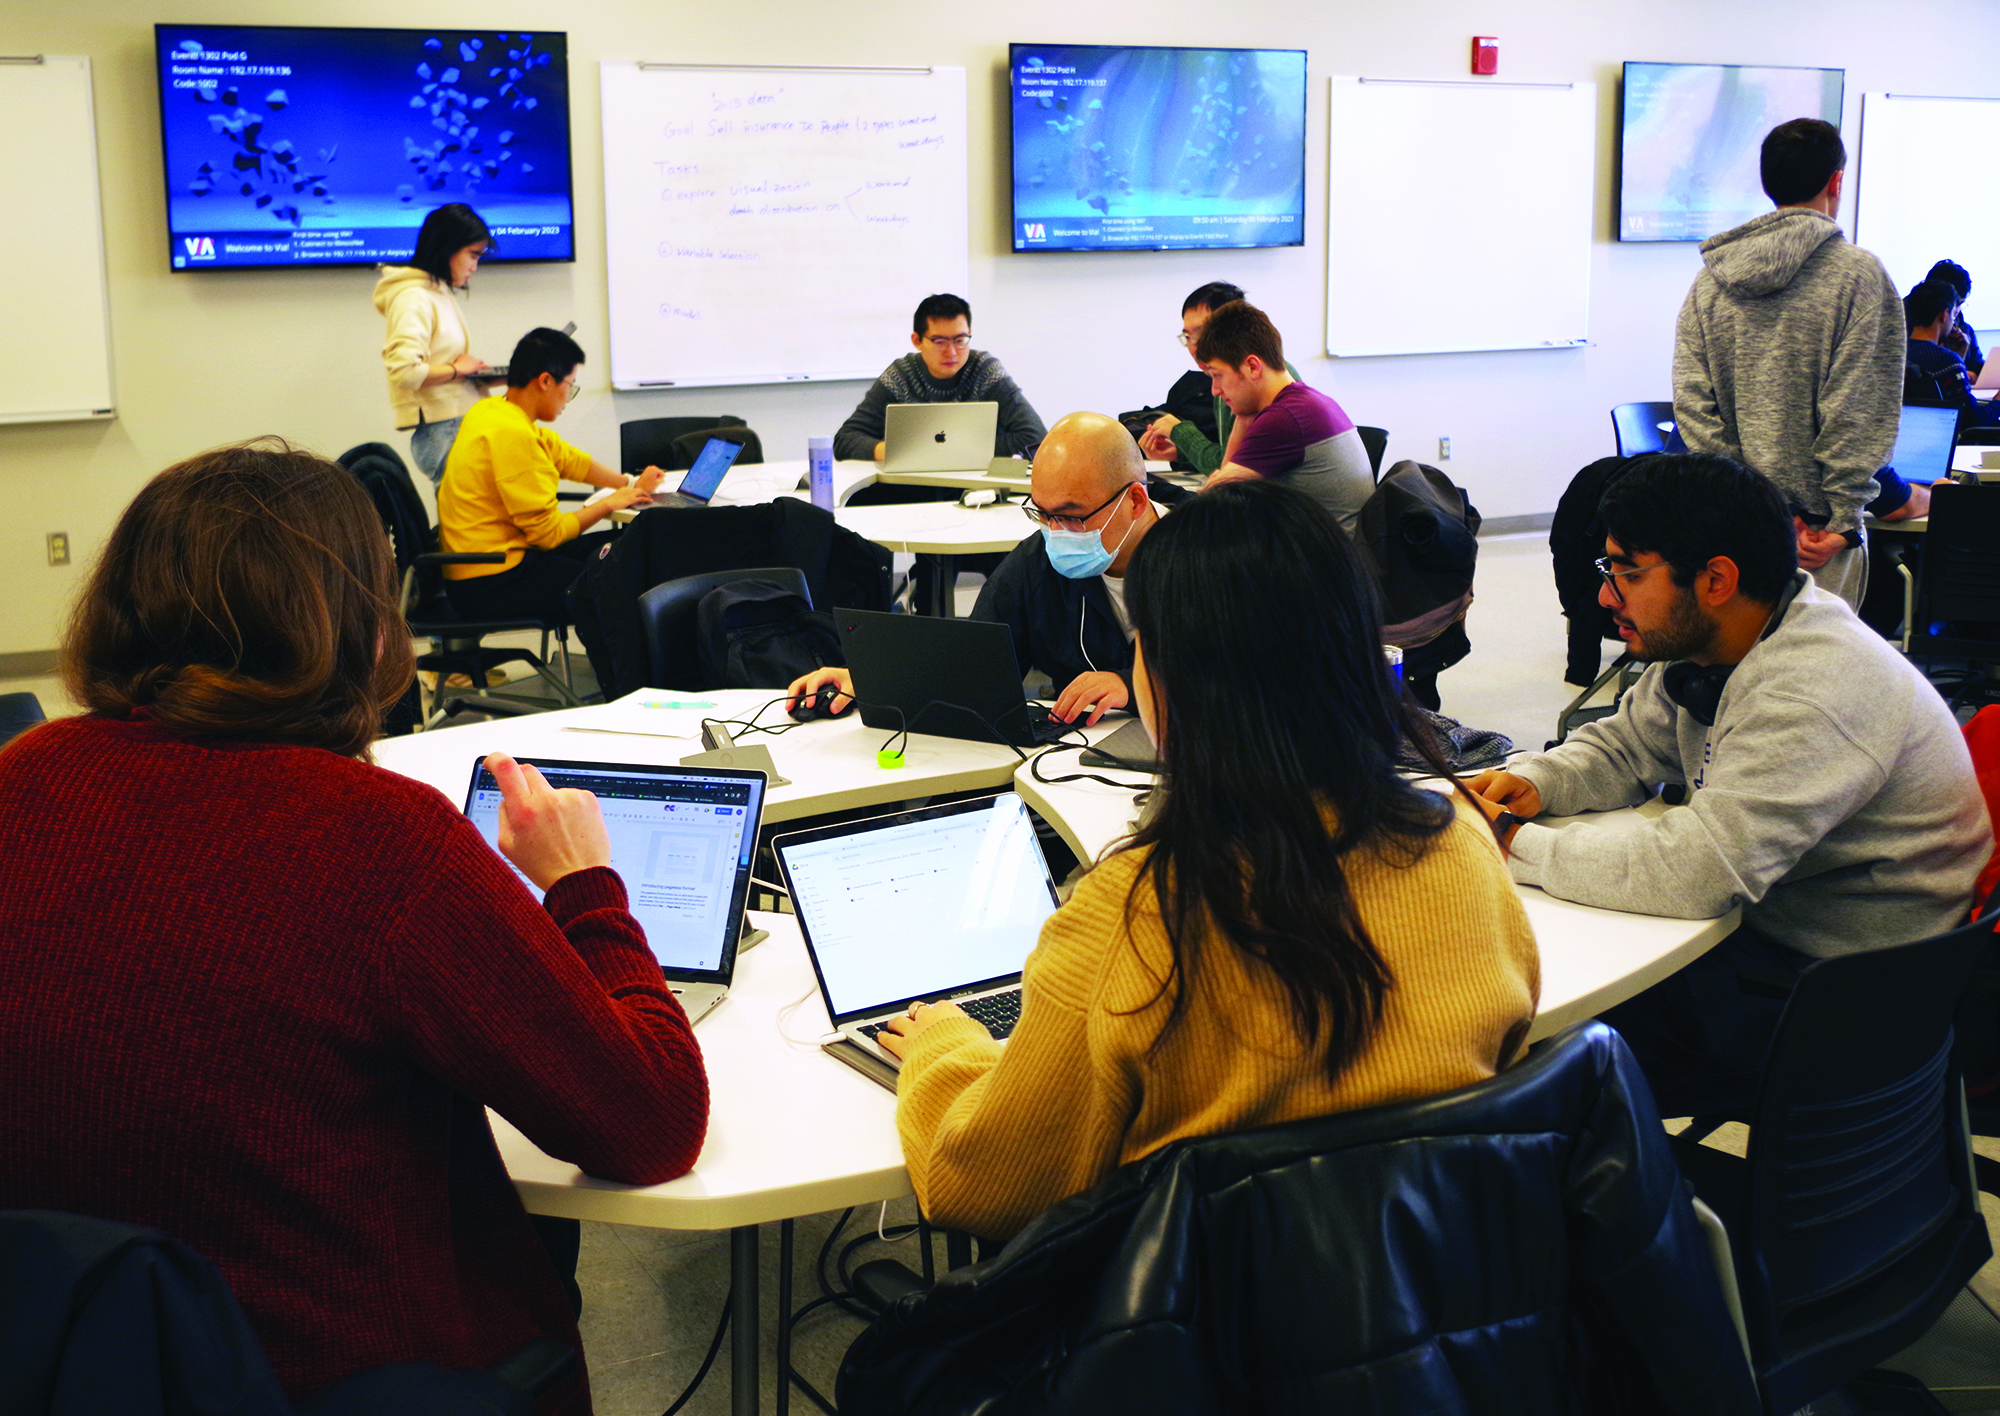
<point>897,1032</point>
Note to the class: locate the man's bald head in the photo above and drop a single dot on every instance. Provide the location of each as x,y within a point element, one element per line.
<point>1085,459</point>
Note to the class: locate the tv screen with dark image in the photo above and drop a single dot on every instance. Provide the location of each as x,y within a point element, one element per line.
<point>1690,136</point>
<point>1120,148</point>
<point>289,146</point>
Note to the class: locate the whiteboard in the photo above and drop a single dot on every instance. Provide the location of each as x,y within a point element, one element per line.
<point>1921,197</point>
<point>51,246</point>
<point>1458,215</point>
<point>774,225</point>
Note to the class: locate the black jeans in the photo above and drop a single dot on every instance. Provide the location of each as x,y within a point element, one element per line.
<point>537,588</point>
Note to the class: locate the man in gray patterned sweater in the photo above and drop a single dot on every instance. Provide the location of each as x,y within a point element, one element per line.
<point>1788,356</point>
<point>947,369</point>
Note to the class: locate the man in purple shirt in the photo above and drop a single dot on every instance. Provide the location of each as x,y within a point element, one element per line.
<point>1284,430</point>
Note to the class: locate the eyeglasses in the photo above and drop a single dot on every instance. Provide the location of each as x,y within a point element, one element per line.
<point>1612,576</point>
<point>942,342</point>
<point>1187,338</point>
<point>1043,517</point>
<point>570,389</point>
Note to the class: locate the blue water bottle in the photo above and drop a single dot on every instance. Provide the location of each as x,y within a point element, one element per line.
<point>819,472</point>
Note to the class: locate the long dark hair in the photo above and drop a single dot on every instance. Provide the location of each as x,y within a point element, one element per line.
<point>446,232</point>
<point>1262,640</point>
<point>247,592</point>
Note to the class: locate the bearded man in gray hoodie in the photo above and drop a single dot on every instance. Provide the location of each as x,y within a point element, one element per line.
<point>1788,356</point>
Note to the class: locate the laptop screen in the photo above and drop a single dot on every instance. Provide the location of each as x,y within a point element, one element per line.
<point>711,465</point>
<point>1924,442</point>
<point>682,840</point>
<point>919,904</point>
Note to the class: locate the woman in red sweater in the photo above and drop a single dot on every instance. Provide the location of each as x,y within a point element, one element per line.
<point>260,990</point>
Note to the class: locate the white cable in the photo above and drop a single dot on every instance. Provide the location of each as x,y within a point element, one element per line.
<point>785,1013</point>
<point>774,889</point>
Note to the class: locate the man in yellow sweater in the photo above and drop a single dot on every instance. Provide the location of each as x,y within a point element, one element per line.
<point>499,490</point>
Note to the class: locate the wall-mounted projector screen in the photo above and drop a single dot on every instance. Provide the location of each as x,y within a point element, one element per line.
<point>1134,149</point>
<point>288,146</point>
<point>1689,139</point>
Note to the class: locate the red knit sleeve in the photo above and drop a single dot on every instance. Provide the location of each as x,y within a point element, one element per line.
<point>557,1018</point>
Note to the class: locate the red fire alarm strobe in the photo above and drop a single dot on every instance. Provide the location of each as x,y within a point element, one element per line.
<point>1485,54</point>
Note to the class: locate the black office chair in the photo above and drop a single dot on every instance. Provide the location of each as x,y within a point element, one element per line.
<point>1951,604</point>
<point>684,449</point>
<point>667,613</point>
<point>457,645</point>
<point>1525,1245</point>
<point>18,713</point>
<point>1853,1219</point>
<point>649,442</point>
<point>1642,427</point>
<point>1376,440</point>
<point>109,1317</point>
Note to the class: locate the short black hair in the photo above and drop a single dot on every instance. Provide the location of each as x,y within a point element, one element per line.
<point>940,307</point>
<point>543,351</point>
<point>1234,332</point>
<point>1692,507</point>
<point>1927,300</point>
<point>1799,159</point>
<point>1959,278</point>
<point>1212,296</point>
<point>446,232</point>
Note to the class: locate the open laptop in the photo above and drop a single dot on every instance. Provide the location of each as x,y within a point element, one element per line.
<point>683,839</point>
<point>701,482</point>
<point>946,902</point>
<point>948,677</point>
<point>939,437</point>
<point>1926,438</point>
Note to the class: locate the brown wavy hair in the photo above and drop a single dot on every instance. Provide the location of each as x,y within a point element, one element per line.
<point>247,592</point>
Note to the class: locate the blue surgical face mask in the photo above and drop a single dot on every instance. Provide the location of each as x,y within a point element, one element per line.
<point>1079,555</point>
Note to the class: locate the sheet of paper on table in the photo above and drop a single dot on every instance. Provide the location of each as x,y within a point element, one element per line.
<point>651,712</point>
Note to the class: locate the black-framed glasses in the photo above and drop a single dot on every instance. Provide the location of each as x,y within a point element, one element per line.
<point>1612,575</point>
<point>942,342</point>
<point>1043,517</point>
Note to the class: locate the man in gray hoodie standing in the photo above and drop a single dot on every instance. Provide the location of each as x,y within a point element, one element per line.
<point>1829,791</point>
<point>1789,354</point>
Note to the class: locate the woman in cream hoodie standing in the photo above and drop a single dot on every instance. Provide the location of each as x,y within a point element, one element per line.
<point>433,378</point>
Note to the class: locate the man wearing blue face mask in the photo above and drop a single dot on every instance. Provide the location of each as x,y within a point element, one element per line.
<point>1062,591</point>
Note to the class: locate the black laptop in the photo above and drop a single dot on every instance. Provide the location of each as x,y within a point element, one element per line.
<point>948,677</point>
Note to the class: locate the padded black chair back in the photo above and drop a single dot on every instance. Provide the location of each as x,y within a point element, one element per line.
<point>667,611</point>
<point>1860,1221</point>
<point>687,447</point>
<point>649,442</point>
<point>1958,582</point>
<point>18,713</point>
<point>1642,427</point>
<point>1376,440</point>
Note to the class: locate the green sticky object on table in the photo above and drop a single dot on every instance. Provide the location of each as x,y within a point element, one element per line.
<point>889,757</point>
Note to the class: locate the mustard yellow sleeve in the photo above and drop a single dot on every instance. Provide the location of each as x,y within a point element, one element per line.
<point>994,1135</point>
<point>527,463</point>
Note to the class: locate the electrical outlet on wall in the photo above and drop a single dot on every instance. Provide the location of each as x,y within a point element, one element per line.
<point>1444,449</point>
<point>58,548</point>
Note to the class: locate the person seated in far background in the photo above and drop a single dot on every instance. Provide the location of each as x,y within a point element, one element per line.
<point>1284,430</point>
<point>1932,373</point>
<point>499,490</point>
<point>1961,339</point>
<point>1829,790</point>
<point>1062,592</point>
<point>1296,930</point>
<point>1196,434</point>
<point>945,369</point>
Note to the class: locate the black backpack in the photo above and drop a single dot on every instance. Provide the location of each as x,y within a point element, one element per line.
<point>758,634</point>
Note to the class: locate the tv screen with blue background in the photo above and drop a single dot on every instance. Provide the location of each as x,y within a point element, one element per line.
<point>1123,148</point>
<point>293,147</point>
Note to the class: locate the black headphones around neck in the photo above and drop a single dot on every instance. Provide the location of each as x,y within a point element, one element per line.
<point>1698,687</point>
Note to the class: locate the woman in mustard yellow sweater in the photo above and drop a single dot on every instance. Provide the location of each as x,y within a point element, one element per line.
<point>1296,930</point>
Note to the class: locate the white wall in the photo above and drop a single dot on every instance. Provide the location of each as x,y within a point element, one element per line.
<point>204,359</point>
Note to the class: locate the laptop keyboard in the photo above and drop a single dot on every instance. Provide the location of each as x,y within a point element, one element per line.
<point>999,1012</point>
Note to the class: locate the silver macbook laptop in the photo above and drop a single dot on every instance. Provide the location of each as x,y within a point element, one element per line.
<point>1925,441</point>
<point>702,481</point>
<point>683,840</point>
<point>945,902</point>
<point>939,437</point>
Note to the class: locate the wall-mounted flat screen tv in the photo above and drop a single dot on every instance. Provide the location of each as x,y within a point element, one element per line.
<point>290,146</point>
<point>1118,148</point>
<point>1689,139</point>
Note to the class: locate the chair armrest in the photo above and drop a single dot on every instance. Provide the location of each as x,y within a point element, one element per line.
<point>1909,601</point>
<point>462,558</point>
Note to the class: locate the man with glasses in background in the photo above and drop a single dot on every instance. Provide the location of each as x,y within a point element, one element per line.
<point>1062,591</point>
<point>1187,436</point>
<point>499,490</point>
<point>1828,789</point>
<point>945,369</point>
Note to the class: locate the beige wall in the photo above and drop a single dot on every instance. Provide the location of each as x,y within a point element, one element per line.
<point>203,359</point>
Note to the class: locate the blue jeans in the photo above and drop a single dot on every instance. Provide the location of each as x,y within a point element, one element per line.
<point>430,444</point>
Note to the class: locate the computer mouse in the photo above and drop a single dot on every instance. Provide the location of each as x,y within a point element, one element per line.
<point>820,705</point>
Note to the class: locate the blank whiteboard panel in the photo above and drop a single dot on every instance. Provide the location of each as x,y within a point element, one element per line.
<point>52,246</point>
<point>772,225</point>
<point>1922,198</point>
<point>1458,216</point>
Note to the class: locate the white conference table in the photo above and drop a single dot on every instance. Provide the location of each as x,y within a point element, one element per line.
<point>1591,958</point>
